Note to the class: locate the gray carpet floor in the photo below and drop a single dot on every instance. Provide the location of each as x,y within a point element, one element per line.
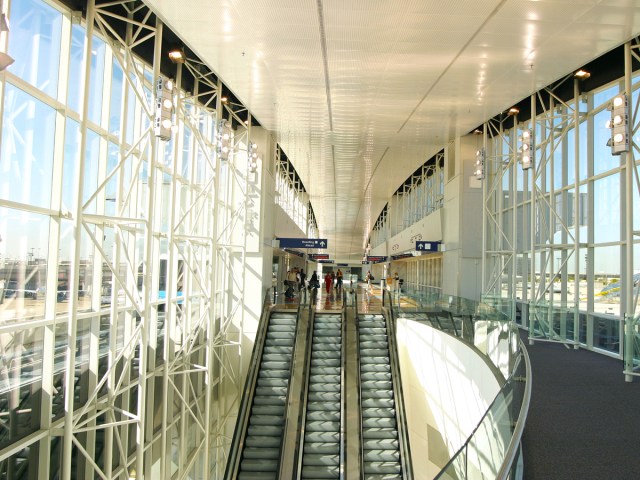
<point>584,419</point>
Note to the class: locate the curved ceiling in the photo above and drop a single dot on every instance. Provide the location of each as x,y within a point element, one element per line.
<point>360,93</point>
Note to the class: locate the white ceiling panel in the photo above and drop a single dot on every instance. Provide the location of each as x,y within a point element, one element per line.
<point>402,78</point>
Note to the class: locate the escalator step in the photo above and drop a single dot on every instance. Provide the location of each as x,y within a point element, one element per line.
<point>257,475</point>
<point>326,448</point>
<point>279,342</point>
<point>380,444</point>
<point>379,433</point>
<point>374,344</point>
<point>374,360</point>
<point>281,335</point>
<point>277,410</point>
<point>264,431</point>
<point>376,385</point>
<point>274,327</point>
<point>322,426</point>
<point>258,465</point>
<point>319,459</point>
<point>323,416</point>
<point>324,397</point>
<point>272,382</point>
<point>373,337</point>
<point>382,467</point>
<point>375,367</point>
<point>260,453</point>
<point>326,378</point>
<point>276,391</point>
<point>378,413</point>
<point>382,476</point>
<point>383,394</point>
<point>374,352</point>
<point>324,387</point>
<point>325,362</point>
<point>273,374</point>
<point>321,437</point>
<point>383,376</point>
<point>269,400</point>
<point>372,331</point>
<point>324,354</point>
<point>263,441</point>
<point>381,456</point>
<point>326,349</point>
<point>313,371</point>
<point>379,422</point>
<point>276,357</point>
<point>323,406</point>
<point>265,420</point>
<point>378,403</point>
<point>314,472</point>
<point>269,349</point>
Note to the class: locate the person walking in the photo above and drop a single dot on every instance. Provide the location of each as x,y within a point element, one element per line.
<point>292,278</point>
<point>327,282</point>
<point>339,280</point>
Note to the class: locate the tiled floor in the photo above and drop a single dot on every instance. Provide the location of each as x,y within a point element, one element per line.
<point>369,299</point>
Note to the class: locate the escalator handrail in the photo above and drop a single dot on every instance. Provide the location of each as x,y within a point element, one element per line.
<point>343,384</point>
<point>514,443</point>
<point>304,395</point>
<point>246,398</point>
<point>396,379</point>
<point>359,392</point>
<point>247,394</point>
<point>291,372</point>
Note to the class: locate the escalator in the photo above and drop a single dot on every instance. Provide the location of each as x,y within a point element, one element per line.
<point>381,448</point>
<point>262,443</point>
<point>322,445</point>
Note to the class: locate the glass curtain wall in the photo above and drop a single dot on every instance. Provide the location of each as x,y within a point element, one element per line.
<point>556,233</point>
<point>120,253</point>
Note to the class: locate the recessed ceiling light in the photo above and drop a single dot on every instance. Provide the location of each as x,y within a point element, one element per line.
<point>582,74</point>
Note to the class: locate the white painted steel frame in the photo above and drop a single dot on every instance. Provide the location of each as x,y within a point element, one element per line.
<point>170,418</point>
<point>502,266</point>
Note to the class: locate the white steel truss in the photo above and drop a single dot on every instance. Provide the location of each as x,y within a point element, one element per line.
<point>539,244</point>
<point>147,359</point>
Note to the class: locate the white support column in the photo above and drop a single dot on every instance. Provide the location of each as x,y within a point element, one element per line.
<point>627,275</point>
<point>70,360</point>
<point>576,213</point>
<point>532,196</point>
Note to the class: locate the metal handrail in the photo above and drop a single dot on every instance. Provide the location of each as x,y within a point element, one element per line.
<point>512,449</point>
<point>304,394</point>
<point>343,384</point>
<point>247,393</point>
<point>514,443</point>
<point>286,401</point>
<point>518,430</point>
<point>401,416</point>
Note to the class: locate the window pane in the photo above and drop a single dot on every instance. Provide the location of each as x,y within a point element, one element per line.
<point>23,267</point>
<point>117,94</point>
<point>606,283</point>
<point>97,80</point>
<point>27,149</point>
<point>76,56</point>
<point>606,203</point>
<point>35,44</point>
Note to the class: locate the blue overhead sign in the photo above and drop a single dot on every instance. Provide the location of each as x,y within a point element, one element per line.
<point>303,242</point>
<point>423,246</point>
<point>376,259</point>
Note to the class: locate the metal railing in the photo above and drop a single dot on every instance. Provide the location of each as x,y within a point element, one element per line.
<point>492,450</point>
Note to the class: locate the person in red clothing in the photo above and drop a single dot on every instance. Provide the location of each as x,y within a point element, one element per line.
<point>328,281</point>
